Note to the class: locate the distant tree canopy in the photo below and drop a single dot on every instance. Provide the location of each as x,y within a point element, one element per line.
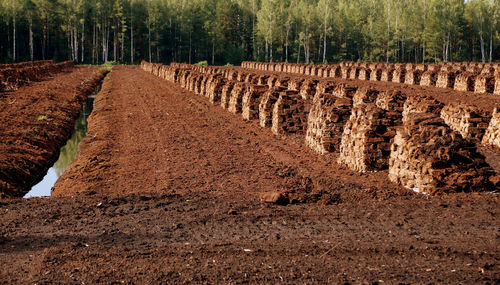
<point>230,31</point>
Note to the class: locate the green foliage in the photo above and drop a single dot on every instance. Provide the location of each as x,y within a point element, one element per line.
<point>220,31</point>
<point>202,63</point>
<point>42,118</point>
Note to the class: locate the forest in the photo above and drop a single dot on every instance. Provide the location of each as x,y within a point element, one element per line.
<point>230,31</point>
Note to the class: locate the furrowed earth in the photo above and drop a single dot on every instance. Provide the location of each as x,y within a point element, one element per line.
<point>170,187</point>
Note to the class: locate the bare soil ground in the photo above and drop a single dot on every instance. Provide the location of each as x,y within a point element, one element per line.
<point>166,188</point>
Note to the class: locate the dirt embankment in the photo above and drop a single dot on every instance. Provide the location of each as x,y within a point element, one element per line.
<point>13,76</point>
<point>36,122</point>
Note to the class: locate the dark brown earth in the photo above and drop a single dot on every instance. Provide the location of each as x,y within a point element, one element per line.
<point>36,122</point>
<point>166,189</point>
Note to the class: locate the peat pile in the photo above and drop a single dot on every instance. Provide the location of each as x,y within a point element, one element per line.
<point>461,76</point>
<point>37,121</point>
<point>358,123</point>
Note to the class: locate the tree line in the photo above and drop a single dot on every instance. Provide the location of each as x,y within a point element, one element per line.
<point>230,31</point>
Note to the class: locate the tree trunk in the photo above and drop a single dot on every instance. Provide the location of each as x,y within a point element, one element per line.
<point>253,29</point>
<point>122,56</point>
<point>157,46</point>
<point>190,46</point>
<point>14,37</point>
<point>83,39</point>
<point>115,44</point>
<point>71,43</point>
<point>324,32</point>
<point>107,42</point>
<point>149,38</point>
<point>131,41</point>
<point>286,44</point>
<point>93,43</point>
<point>75,37</point>
<point>44,43</point>
<point>481,41</point>
<point>324,48</point>
<point>213,51</point>
<point>491,45</point>
<point>271,50</point>
<point>31,37</point>
<point>298,54</point>
<point>267,52</point>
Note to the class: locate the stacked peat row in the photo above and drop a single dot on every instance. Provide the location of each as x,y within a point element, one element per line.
<point>430,76</point>
<point>428,157</point>
<point>465,81</point>
<point>17,75</point>
<point>421,104</point>
<point>492,134</point>
<point>387,73</point>
<point>289,116</point>
<point>360,125</point>
<point>367,138</point>
<point>398,75</point>
<point>266,105</point>
<point>334,70</point>
<point>365,95</point>
<point>325,122</point>
<point>467,120</point>
<point>391,100</point>
<point>458,76</point>
<point>485,82</point>
<point>226,93</point>
<point>251,101</point>
<point>214,89</point>
<point>235,100</point>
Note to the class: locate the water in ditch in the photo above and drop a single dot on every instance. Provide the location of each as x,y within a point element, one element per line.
<point>67,154</point>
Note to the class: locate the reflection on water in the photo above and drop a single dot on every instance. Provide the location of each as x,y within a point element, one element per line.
<point>68,153</point>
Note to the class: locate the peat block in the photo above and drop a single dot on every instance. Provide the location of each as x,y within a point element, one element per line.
<point>485,83</point>
<point>413,77</point>
<point>251,100</point>
<point>492,134</point>
<point>365,95</point>
<point>446,79</point>
<point>391,100</point>
<point>466,120</point>
<point>428,78</point>
<point>421,104</point>
<point>266,105</point>
<point>325,122</point>
<point>386,75</point>
<point>427,156</point>
<point>465,81</point>
<point>289,114</point>
<point>236,97</point>
<point>226,93</point>
<point>367,137</point>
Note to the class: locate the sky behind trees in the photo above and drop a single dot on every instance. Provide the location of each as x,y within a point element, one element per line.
<point>230,31</point>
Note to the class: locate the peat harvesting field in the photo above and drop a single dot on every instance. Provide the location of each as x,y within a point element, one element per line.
<point>262,173</point>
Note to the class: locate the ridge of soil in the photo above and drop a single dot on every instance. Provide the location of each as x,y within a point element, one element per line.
<point>36,121</point>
